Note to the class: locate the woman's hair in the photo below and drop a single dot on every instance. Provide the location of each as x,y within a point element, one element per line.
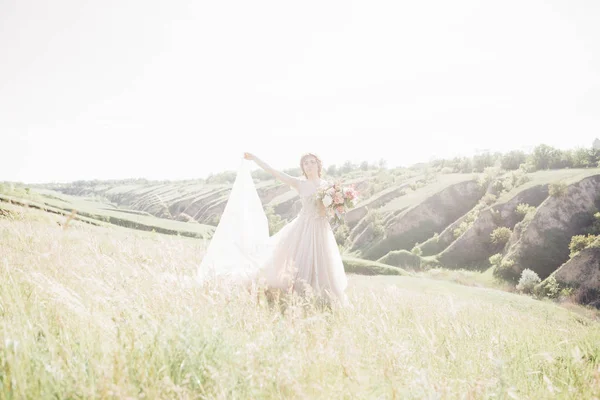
<point>319,163</point>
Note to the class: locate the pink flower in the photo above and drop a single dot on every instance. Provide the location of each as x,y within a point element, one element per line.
<point>350,193</point>
<point>340,209</point>
<point>338,198</point>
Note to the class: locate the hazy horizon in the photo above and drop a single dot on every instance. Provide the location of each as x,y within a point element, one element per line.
<point>255,167</point>
<point>132,89</point>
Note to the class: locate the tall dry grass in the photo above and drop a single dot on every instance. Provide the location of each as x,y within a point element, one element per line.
<point>90,312</point>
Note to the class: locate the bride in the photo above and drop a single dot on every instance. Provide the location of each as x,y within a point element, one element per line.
<point>302,257</point>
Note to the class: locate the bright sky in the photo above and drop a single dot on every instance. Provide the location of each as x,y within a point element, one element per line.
<point>178,89</point>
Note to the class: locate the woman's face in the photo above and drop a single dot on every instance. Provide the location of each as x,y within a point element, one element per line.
<point>310,166</point>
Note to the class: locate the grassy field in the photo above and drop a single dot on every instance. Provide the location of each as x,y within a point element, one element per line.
<point>412,198</point>
<point>95,210</point>
<point>90,312</point>
<point>568,176</point>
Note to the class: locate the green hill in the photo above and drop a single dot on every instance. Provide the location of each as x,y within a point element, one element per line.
<point>509,212</point>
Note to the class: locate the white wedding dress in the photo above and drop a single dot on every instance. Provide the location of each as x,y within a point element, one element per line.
<point>302,257</point>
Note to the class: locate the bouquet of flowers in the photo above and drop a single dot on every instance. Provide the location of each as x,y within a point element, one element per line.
<point>337,200</point>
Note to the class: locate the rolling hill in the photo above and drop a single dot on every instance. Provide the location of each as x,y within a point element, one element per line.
<point>415,218</point>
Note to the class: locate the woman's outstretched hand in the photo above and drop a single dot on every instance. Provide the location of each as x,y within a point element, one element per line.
<point>282,176</point>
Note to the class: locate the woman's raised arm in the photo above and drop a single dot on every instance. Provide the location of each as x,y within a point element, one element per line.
<point>282,176</point>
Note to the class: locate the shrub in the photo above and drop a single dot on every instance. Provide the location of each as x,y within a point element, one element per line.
<point>500,235</point>
<point>595,228</point>
<point>401,258</point>
<point>523,209</point>
<point>496,259</point>
<point>513,160</point>
<point>564,159</point>
<point>498,186</point>
<point>372,215</point>
<point>528,281</point>
<point>483,161</point>
<point>527,167</point>
<point>502,268</point>
<point>517,178</point>
<point>226,177</point>
<point>580,242</point>
<point>462,228</point>
<point>375,223</point>
<point>484,180</point>
<point>368,267</point>
<point>581,158</point>
<point>470,218</point>
<point>416,250</point>
<point>507,183</point>
<point>566,292</point>
<point>377,229</point>
<point>544,157</point>
<point>261,175</point>
<point>417,185</point>
<point>488,176</point>
<point>341,234</point>
<point>464,164</point>
<point>557,189</point>
<point>551,287</point>
<point>507,264</point>
<point>489,199</point>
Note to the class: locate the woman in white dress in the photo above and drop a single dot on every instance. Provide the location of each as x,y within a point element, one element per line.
<point>304,256</point>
